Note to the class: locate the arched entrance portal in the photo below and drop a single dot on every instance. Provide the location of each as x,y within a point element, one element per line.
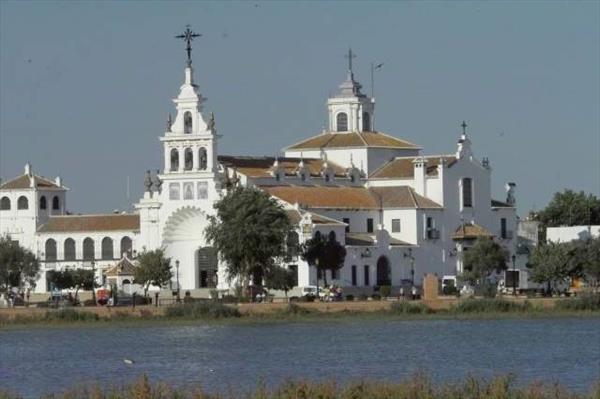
<point>206,267</point>
<point>384,272</point>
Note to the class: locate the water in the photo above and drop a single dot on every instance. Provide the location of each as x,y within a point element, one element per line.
<point>230,355</point>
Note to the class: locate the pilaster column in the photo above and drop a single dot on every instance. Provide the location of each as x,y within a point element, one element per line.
<point>167,156</point>
<point>181,158</point>
<point>196,157</point>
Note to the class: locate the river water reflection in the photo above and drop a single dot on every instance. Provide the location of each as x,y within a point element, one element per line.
<point>234,355</point>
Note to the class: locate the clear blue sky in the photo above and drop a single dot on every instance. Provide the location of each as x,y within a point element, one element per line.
<point>85,88</point>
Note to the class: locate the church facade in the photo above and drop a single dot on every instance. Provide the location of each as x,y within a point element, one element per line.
<point>399,212</point>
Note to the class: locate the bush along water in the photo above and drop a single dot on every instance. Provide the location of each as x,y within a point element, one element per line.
<point>418,386</point>
<point>490,305</point>
<point>585,302</point>
<point>201,310</point>
<point>406,307</point>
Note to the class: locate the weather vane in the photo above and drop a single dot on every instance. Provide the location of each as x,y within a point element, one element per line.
<point>188,36</point>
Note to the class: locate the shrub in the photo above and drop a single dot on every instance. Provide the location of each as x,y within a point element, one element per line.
<point>417,386</point>
<point>450,290</point>
<point>487,290</point>
<point>362,297</point>
<point>202,310</point>
<point>588,302</point>
<point>350,297</point>
<point>146,314</point>
<point>385,291</point>
<point>71,315</point>
<point>293,309</point>
<point>487,305</point>
<point>229,299</point>
<point>89,302</point>
<point>376,297</point>
<point>410,308</point>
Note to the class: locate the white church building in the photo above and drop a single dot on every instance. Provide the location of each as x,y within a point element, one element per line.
<point>399,212</point>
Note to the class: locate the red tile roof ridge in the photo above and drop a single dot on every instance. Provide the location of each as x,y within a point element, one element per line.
<point>412,196</point>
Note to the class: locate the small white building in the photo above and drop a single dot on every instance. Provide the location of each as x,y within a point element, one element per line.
<point>399,212</point>
<point>572,233</point>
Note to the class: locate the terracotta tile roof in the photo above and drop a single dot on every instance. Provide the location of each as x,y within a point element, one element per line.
<point>342,197</point>
<point>470,231</point>
<point>295,216</point>
<point>403,167</point>
<point>82,223</point>
<point>402,197</point>
<point>123,268</point>
<point>500,204</point>
<point>354,139</point>
<point>262,166</point>
<point>23,182</point>
<point>368,240</point>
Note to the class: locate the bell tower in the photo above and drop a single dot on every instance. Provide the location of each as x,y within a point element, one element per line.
<point>350,110</point>
<point>189,142</point>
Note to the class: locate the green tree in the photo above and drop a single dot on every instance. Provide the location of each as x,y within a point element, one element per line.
<point>569,208</point>
<point>60,279</point>
<point>280,278</point>
<point>550,264</point>
<point>249,232</point>
<point>483,259</point>
<point>18,266</point>
<point>323,254</point>
<point>78,279</point>
<point>153,269</point>
<point>83,279</point>
<point>585,260</point>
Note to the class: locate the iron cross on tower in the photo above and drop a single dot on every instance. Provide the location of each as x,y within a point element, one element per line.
<point>188,35</point>
<point>350,55</point>
<point>464,128</point>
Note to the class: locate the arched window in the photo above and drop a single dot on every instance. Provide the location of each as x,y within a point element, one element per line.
<point>56,203</point>
<point>107,248</point>
<point>50,250</point>
<point>69,249</point>
<point>126,246</point>
<point>188,159</point>
<point>384,272</point>
<point>5,204</point>
<point>88,249</point>
<point>366,122</point>
<point>43,202</point>
<point>317,235</point>
<point>22,203</point>
<point>187,122</point>
<point>467,192</point>
<point>174,159</point>
<point>332,235</point>
<point>342,122</point>
<point>202,159</point>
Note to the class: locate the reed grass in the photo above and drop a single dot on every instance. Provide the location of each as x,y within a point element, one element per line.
<point>419,386</point>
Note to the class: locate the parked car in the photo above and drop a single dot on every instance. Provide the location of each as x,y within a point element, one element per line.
<point>309,291</point>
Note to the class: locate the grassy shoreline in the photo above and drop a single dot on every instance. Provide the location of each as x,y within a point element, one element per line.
<point>216,312</point>
<point>417,386</point>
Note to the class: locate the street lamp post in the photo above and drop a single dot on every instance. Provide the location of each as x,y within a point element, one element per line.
<point>514,258</point>
<point>412,265</point>
<point>94,281</point>
<point>177,269</point>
